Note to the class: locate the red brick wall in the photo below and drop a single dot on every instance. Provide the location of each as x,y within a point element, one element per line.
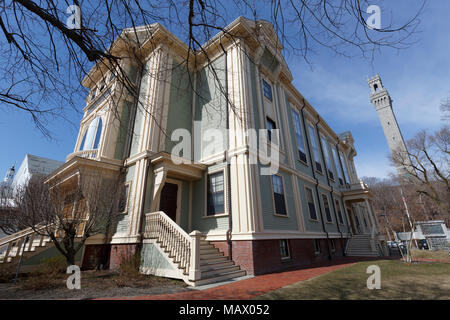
<point>264,256</point>
<point>120,252</point>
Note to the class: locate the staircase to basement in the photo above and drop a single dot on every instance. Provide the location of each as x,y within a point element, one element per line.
<point>26,242</point>
<point>198,262</point>
<point>362,245</point>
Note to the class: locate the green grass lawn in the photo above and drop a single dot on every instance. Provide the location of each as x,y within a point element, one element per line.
<point>428,254</point>
<point>398,281</point>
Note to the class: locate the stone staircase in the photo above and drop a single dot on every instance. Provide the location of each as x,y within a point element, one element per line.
<point>214,266</point>
<point>26,242</point>
<point>362,245</point>
<point>198,261</point>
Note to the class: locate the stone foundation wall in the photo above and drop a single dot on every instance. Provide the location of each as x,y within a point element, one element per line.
<point>264,256</point>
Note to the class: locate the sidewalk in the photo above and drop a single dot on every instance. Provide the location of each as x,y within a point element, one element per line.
<point>250,288</point>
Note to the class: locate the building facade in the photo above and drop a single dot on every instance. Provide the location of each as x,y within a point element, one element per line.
<point>305,211</point>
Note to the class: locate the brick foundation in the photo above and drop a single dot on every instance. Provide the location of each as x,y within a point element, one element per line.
<point>120,252</point>
<point>264,256</point>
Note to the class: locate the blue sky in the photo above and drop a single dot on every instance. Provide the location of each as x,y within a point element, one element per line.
<point>417,80</point>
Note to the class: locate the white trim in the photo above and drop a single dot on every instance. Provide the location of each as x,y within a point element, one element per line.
<point>179,184</point>
<point>315,203</point>
<point>275,213</point>
<point>329,207</point>
<point>225,192</point>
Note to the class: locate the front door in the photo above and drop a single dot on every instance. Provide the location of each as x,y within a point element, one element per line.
<point>168,202</point>
<point>352,221</point>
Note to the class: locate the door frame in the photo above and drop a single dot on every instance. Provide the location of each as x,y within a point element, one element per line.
<point>351,217</point>
<point>179,183</point>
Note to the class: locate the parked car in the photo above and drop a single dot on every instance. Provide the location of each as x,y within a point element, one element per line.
<point>423,244</point>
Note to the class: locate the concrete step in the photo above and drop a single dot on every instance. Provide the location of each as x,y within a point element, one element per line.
<point>219,271</point>
<point>206,256</point>
<point>213,260</point>
<point>212,250</point>
<point>215,265</point>
<point>221,277</point>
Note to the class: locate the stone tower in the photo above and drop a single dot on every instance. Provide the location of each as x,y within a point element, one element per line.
<point>383,105</point>
<point>9,177</point>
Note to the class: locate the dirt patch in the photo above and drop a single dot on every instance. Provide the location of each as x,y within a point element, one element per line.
<point>94,284</point>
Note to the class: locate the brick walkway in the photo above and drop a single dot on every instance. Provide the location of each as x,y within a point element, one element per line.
<point>250,288</point>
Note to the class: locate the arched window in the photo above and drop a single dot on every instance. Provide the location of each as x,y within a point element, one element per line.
<point>92,135</point>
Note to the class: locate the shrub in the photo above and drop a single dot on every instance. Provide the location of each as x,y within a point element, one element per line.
<point>6,273</point>
<point>129,266</point>
<point>53,265</point>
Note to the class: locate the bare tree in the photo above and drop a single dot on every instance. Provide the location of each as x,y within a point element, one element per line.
<point>429,156</point>
<point>445,109</point>
<point>70,214</point>
<point>44,60</point>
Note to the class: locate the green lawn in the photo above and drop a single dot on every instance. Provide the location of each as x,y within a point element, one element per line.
<point>428,254</point>
<point>398,281</point>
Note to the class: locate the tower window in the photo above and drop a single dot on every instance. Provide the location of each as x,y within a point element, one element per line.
<point>375,87</point>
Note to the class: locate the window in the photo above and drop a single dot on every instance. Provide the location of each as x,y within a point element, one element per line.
<point>123,204</point>
<point>216,196</point>
<point>101,87</point>
<point>327,157</point>
<point>94,92</point>
<point>316,246</point>
<point>278,195</point>
<point>339,212</point>
<point>267,90</point>
<point>326,205</point>
<point>284,248</point>
<point>270,127</point>
<point>315,149</point>
<point>92,135</point>
<point>299,136</point>
<point>338,168</point>
<point>344,166</point>
<point>311,205</point>
<point>333,247</point>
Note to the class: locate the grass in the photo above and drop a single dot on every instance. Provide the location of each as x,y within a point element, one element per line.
<point>427,254</point>
<point>398,281</point>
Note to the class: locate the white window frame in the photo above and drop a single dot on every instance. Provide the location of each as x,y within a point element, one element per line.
<point>225,193</point>
<point>288,257</point>
<point>127,185</point>
<point>302,132</point>
<point>326,155</point>
<point>315,204</point>
<point>316,246</point>
<point>314,142</point>
<point>329,207</point>
<point>339,207</point>
<point>284,196</point>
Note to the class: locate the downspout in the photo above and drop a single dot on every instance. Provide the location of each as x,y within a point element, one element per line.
<point>345,185</point>
<point>227,99</point>
<point>328,182</point>
<point>315,178</point>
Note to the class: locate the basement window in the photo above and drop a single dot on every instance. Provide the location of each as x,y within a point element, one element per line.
<point>316,246</point>
<point>333,247</point>
<point>284,248</point>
